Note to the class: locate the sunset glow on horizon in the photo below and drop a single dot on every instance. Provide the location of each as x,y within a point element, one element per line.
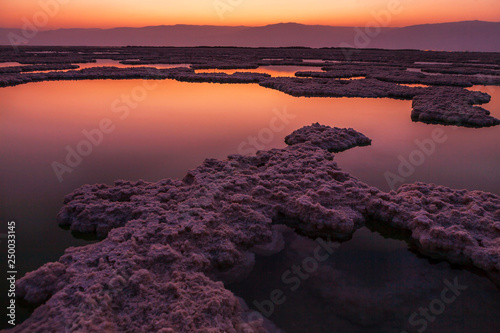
<point>131,13</point>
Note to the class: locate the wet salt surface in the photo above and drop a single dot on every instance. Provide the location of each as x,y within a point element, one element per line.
<point>367,284</point>
<point>316,61</point>
<point>45,52</point>
<point>485,76</point>
<point>419,70</point>
<point>177,125</point>
<point>432,63</point>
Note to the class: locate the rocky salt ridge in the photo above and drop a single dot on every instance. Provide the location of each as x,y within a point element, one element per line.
<point>328,138</point>
<point>166,244</point>
<point>459,225</point>
<point>436,106</point>
<point>444,105</point>
<point>115,73</point>
<point>34,68</point>
<point>328,87</point>
<point>448,76</point>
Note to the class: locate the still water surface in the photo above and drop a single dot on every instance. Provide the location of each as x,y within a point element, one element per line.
<point>369,284</point>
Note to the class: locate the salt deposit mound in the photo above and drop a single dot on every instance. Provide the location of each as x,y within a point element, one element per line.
<point>168,246</point>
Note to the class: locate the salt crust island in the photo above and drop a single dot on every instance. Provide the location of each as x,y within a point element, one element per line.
<point>168,247</point>
<point>441,98</point>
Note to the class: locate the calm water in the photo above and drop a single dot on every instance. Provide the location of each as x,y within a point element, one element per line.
<point>176,125</point>
<point>368,284</point>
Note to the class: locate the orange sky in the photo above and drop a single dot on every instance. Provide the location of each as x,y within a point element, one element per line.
<point>138,13</point>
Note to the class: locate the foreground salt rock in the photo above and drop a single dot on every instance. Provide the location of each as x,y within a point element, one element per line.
<point>169,246</point>
<point>168,242</point>
<point>331,139</point>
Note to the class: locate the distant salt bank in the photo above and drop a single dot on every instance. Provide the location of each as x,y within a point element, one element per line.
<point>168,246</point>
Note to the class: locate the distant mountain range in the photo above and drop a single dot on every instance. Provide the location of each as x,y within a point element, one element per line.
<point>456,36</point>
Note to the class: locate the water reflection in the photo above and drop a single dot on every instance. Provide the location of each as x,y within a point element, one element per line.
<point>467,159</point>
<point>368,284</point>
<point>8,64</point>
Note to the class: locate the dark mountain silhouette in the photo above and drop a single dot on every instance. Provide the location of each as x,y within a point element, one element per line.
<point>456,36</point>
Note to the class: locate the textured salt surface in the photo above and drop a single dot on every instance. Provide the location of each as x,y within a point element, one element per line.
<point>100,73</point>
<point>312,87</point>
<point>36,68</point>
<point>331,139</point>
<point>459,225</point>
<point>166,244</point>
<point>452,106</point>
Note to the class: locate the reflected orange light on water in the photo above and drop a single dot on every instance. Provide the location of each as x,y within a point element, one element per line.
<point>211,119</point>
<point>274,71</point>
<point>175,126</point>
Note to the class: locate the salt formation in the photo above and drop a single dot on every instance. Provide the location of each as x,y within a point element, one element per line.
<point>459,225</point>
<point>314,87</point>
<point>452,106</point>
<point>167,245</point>
<point>331,139</point>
